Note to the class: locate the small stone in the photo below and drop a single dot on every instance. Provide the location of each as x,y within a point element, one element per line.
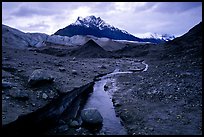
<point>101,133</point>
<point>74,72</point>
<point>74,123</point>
<point>62,128</point>
<point>6,84</point>
<point>44,96</point>
<point>105,87</point>
<point>103,67</point>
<point>151,128</point>
<point>19,94</point>
<point>62,69</point>
<point>59,64</point>
<point>170,96</point>
<point>117,104</point>
<point>5,58</point>
<point>77,130</point>
<point>62,122</point>
<point>20,70</point>
<point>178,116</point>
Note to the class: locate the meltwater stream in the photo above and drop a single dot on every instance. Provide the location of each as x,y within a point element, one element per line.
<point>101,100</point>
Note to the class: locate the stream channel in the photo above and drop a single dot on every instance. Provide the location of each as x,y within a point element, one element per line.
<point>101,99</point>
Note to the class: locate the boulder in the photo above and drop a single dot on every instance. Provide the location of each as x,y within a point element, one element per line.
<point>91,116</point>
<point>40,76</point>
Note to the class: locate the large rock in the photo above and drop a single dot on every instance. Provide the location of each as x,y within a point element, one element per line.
<point>91,116</point>
<point>40,76</point>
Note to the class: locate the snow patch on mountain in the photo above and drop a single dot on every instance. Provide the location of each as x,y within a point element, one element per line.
<point>165,37</point>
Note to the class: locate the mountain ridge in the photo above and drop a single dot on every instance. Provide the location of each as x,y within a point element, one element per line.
<point>91,25</point>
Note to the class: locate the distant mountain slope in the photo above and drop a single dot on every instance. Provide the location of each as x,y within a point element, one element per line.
<point>133,51</point>
<point>18,39</point>
<point>188,45</point>
<point>192,35</point>
<point>90,49</point>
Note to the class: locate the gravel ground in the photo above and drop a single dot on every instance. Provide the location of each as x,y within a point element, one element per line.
<point>69,73</point>
<point>164,100</point>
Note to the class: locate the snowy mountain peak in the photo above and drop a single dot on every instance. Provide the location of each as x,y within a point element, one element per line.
<point>92,21</point>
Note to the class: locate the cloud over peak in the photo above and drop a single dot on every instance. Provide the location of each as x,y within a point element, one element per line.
<point>135,17</point>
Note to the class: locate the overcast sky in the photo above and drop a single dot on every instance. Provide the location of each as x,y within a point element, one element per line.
<point>138,18</point>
